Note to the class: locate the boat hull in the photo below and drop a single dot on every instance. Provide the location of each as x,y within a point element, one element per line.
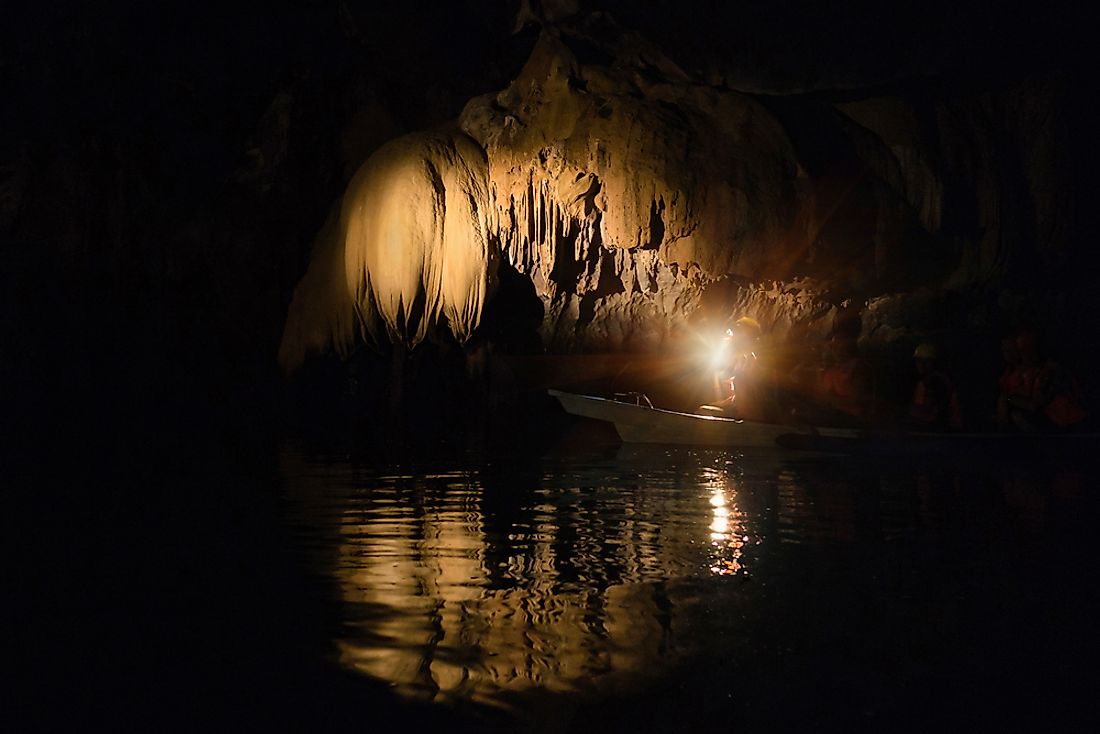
<point>646,425</point>
<point>642,424</point>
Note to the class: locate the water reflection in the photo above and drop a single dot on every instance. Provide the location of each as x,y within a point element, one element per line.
<point>575,575</point>
<point>727,531</point>
<point>466,584</point>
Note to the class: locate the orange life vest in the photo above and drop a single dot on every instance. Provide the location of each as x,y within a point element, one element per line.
<point>936,402</point>
<point>838,382</point>
<point>1066,405</point>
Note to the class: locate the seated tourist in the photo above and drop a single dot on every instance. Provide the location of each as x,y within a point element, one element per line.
<point>935,403</point>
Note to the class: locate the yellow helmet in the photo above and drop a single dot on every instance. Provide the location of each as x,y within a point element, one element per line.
<point>748,324</point>
<point>925,350</point>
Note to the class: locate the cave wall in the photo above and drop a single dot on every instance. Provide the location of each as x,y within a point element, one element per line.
<point>621,193</point>
<point>165,170</point>
<point>643,202</point>
<point>165,174</point>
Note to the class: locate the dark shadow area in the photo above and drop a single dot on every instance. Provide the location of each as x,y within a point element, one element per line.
<point>159,589</point>
<point>514,314</point>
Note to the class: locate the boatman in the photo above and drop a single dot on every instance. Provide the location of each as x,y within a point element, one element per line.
<point>737,368</point>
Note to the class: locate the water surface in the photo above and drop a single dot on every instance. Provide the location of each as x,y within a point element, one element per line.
<point>642,585</point>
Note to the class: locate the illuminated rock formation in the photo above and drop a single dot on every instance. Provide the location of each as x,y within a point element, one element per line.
<point>620,192</point>
<point>623,189</point>
<point>640,201</point>
<point>411,249</point>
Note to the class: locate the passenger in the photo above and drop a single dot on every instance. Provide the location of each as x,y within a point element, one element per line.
<point>935,402</point>
<point>846,383</point>
<point>1012,381</point>
<point>1043,395</point>
<point>802,383</point>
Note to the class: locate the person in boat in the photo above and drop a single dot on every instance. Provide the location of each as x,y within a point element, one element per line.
<point>1010,383</point>
<point>935,403</point>
<point>1038,394</point>
<point>846,383</point>
<point>738,383</point>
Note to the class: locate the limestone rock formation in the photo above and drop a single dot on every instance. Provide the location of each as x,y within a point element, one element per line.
<point>623,189</point>
<point>411,248</point>
<point>641,202</point>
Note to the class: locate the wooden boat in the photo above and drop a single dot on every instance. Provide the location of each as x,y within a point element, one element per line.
<point>638,422</point>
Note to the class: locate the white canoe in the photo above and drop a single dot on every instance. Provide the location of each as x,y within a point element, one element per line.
<point>645,424</point>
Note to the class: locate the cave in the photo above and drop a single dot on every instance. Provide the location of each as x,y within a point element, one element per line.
<point>256,255</point>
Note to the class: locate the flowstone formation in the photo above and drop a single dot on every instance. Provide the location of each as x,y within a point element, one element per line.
<point>410,250</point>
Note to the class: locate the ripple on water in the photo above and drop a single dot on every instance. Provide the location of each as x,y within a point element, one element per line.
<point>564,574</point>
<point>471,583</point>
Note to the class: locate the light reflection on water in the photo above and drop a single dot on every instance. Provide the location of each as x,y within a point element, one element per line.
<point>468,583</point>
<point>571,574</point>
